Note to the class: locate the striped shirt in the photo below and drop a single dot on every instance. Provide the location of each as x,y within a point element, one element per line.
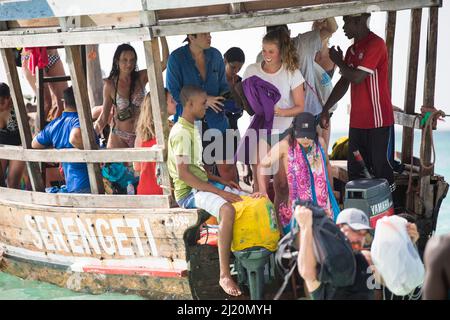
<point>371,105</point>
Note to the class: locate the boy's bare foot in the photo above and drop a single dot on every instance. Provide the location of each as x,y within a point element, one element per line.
<point>229,286</point>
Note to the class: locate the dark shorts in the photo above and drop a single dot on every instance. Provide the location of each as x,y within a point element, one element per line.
<point>10,138</point>
<point>375,148</point>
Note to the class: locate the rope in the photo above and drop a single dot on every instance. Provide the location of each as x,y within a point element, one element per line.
<point>428,128</point>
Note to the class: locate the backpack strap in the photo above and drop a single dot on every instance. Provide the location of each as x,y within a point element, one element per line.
<point>333,201</point>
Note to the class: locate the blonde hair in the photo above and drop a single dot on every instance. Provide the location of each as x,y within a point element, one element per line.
<point>145,128</point>
<point>289,56</point>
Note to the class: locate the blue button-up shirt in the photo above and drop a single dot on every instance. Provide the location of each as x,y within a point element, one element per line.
<point>182,71</point>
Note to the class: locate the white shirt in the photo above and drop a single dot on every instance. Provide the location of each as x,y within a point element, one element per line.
<point>285,81</point>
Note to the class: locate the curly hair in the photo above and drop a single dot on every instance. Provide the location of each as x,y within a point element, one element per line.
<point>281,38</point>
<point>145,128</point>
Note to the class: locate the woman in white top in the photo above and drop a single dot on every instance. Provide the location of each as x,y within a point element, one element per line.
<point>279,67</point>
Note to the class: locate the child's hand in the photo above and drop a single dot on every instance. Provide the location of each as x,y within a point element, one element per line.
<point>258,195</point>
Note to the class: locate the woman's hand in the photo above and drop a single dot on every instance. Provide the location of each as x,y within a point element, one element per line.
<point>280,112</point>
<point>215,103</point>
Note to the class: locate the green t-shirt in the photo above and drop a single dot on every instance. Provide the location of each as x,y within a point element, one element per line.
<point>185,140</point>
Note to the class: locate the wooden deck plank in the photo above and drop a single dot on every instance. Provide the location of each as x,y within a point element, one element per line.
<point>153,154</point>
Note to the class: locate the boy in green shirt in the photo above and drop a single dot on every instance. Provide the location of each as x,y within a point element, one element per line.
<point>196,188</point>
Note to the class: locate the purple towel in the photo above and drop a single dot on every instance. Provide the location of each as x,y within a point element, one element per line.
<point>262,97</point>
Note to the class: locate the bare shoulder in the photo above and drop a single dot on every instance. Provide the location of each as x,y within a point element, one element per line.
<point>143,76</point>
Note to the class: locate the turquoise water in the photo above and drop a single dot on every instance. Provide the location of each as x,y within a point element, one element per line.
<point>15,288</point>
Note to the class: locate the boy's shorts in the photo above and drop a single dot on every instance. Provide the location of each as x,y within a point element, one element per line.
<point>208,201</point>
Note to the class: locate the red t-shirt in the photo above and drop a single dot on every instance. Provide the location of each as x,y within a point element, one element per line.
<point>371,99</point>
<point>147,181</point>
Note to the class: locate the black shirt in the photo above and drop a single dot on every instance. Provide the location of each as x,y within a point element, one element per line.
<point>358,291</point>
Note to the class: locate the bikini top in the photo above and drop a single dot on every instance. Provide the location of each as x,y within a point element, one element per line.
<point>135,101</point>
<point>11,125</point>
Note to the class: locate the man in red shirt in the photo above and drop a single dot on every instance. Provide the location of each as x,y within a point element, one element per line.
<point>365,68</point>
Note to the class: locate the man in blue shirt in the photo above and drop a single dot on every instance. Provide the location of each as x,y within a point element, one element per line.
<point>63,133</point>
<point>198,64</point>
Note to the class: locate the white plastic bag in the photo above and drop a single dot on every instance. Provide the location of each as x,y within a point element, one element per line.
<point>395,256</point>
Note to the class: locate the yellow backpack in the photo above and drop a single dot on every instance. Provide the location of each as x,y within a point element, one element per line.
<point>340,149</point>
<point>255,224</point>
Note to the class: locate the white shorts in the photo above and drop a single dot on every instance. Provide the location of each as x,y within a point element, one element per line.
<point>212,202</point>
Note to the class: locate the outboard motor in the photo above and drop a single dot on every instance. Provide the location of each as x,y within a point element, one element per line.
<point>373,196</point>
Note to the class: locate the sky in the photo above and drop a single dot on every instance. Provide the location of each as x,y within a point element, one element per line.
<point>250,41</point>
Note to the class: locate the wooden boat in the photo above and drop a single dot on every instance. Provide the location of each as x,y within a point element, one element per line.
<point>142,244</point>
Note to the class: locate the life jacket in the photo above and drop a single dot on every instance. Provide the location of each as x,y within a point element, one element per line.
<point>339,150</point>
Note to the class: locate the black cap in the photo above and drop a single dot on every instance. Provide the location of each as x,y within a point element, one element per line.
<point>305,126</point>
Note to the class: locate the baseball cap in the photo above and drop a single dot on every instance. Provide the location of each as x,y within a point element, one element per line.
<point>305,126</point>
<point>354,218</point>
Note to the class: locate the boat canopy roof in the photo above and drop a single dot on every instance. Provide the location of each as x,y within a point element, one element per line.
<point>64,22</point>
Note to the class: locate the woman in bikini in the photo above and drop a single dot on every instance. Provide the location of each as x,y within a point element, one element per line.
<point>124,91</point>
<point>53,91</point>
<point>9,134</point>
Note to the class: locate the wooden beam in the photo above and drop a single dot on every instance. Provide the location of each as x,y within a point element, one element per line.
<point>390,40</point>
<point>430,75</point>
<point>21,114</point>
<point>84,200</point>
<point>411,81</point>
<point>159,104</point>
<point>55,37</point>
<point>94,76</point>
<point>40,103</point>
<point>280,16</point>
<point>153,154</point>
<point>407,120</point>
<point>426,190</point>
<point>73,54</point>
<point>16,10</point>
<point>173,23</point>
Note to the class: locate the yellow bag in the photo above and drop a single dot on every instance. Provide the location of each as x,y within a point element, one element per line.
<point>255,224</point>
<point>339,150</point>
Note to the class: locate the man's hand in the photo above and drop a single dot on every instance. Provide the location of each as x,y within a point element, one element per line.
<point>337,56</point>
<point>230,197</point>
<point>325,119</point>
<point>231,184</point>
<point>411,228</point>
<point>303,216</point>
<point>215,103</point>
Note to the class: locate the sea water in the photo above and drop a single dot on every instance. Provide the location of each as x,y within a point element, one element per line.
<point>15,288</point>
